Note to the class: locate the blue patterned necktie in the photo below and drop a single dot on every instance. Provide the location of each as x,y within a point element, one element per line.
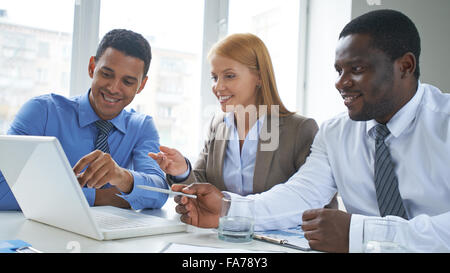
<point>386,184</point>
<point>101,143</point>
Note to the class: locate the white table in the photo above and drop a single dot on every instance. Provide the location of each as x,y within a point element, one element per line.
<point>46,238</point>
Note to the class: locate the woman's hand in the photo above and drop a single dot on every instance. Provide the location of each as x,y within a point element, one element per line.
<point>170,161</point>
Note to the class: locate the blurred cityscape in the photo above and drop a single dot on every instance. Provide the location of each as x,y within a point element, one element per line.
<point>33,61</point>
<point>37,61</point>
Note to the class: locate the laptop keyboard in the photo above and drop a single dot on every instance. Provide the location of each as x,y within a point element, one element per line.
<point>112,221</point>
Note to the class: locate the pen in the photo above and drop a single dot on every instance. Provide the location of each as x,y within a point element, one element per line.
<point>169,192</point>
<point>279,242</point>
<point>269,239</point>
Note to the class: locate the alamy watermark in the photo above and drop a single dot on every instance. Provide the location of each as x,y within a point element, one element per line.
<point>74,247</point>
<point>373,2</point>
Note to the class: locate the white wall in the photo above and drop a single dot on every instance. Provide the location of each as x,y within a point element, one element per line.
<point>432,19</point>
<point>326,20</point>
<point>328,17</point>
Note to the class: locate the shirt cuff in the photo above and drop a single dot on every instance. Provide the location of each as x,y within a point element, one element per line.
<point>89,193</point>
<point>355,243</point>
<point>137,195</point>
<point>184,176</point>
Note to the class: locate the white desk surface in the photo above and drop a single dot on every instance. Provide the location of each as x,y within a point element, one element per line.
<point>46,238</point>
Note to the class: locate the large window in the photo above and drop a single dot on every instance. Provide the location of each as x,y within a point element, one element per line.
<point>174,29</point>
<point>277,24</point>
<point>35,52</point>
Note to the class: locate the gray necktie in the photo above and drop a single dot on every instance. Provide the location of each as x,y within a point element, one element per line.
<point>101,143</point>
<point>386,184</point>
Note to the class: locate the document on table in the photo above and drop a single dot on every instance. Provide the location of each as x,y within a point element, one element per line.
<point>186,248</point>
<point>16,246</point>
<point>292,237</point>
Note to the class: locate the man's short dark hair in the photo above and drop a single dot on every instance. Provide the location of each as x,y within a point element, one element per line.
<point>391,31</point>
<point>128,42</point>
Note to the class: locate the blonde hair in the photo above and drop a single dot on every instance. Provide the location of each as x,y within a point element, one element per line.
<point>250,51</point>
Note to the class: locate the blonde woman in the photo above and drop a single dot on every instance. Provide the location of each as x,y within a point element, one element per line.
<point>236,158</point>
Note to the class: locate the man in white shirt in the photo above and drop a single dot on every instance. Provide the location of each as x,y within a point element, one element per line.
<point>377,60</point>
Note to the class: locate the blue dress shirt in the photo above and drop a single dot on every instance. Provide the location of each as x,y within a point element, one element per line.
<point>239,165</point>
<point>71,120</point>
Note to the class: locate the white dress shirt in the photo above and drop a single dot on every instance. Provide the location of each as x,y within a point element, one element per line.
<point>342,159</point>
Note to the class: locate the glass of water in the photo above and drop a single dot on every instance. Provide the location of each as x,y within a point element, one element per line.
<point>384,236</point>
<point>237,220</point>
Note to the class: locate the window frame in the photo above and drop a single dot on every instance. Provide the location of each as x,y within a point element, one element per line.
<point>84,43</point>
<point>215,27</point>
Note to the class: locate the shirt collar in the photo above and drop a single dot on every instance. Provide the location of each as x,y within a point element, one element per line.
<point>229,121</point>
<point>87,115</point>
<point>403,118</point>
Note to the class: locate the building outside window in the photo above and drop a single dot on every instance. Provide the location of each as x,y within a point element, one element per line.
<point>36,52</point>
<point>172,93</point>
<point>33,52</point>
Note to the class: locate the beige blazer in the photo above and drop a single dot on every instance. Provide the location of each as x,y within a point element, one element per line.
<point>296,134</point>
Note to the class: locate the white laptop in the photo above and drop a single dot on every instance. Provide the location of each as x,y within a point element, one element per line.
<point>43,183</point>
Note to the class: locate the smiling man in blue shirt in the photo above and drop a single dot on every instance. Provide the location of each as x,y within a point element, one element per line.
<point>118,72</point>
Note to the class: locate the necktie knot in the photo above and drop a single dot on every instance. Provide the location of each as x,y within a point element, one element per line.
<point>103,126</point>
<point>380,132</point>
